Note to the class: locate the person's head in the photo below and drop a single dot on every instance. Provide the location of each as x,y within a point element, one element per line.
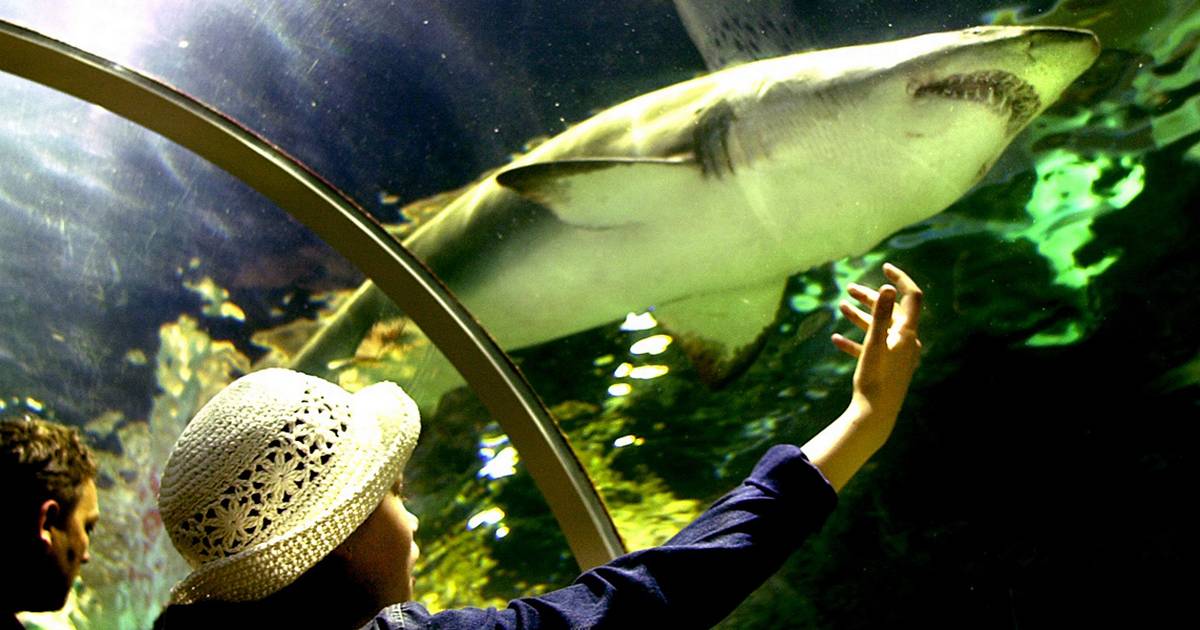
<point>49,498</point>
<point>284,479</point>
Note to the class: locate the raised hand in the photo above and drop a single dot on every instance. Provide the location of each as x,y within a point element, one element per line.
<point>889,354</point>
<point>887,358</point>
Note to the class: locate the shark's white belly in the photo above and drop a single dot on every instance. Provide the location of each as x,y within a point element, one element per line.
<point>701,235</point>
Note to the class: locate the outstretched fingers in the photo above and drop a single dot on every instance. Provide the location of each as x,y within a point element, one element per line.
<point>892,310</point>
<point>910,304</point>
<point>850,347</point>
<point>855,315</point>
<point>876,324</point>
<point>865,296</point>
<point>881,316</point>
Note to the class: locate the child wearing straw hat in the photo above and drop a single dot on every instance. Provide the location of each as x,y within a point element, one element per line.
<point>282,495</point>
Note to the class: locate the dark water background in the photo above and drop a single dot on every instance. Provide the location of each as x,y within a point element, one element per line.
<point>382,98</point>
<point>1025,486</point>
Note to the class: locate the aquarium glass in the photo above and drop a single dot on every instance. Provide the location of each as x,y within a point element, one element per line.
<point>1039,473</point>
<point>139,280</point>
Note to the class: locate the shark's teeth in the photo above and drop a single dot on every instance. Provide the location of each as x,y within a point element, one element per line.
<point>1002,91</point>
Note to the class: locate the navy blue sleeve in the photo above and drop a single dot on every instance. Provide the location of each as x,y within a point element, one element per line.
<point>692,581</point>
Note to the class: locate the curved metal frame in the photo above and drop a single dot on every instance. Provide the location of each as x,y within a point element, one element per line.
<point>343,224</point>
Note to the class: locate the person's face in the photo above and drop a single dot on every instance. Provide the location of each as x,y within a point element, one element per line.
<point>384,551</point>
<point>70,542</point>
<point>403,527</point>
<point>64,543</point>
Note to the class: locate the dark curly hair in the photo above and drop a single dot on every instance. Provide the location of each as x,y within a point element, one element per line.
<point>41,460</point>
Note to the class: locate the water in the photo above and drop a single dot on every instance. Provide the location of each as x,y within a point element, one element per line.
<point>1041,460</point>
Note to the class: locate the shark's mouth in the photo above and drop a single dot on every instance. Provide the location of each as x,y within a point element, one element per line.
<point>1004,92</point>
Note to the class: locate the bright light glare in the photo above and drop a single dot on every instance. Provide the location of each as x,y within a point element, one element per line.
<point>628,440</point>
<point>619,389</point>
<point>490,516</point>
<point>648,371</point>
<point>656,344</point>
<point>634,321</point>
<point>504,464</point>
<point>112,29</point>
<point>493,442</point>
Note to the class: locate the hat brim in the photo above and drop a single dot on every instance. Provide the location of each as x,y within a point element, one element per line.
<point>387,423</point>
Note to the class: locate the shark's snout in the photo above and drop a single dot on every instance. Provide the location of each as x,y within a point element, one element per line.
<point>1075,38</point>
<point>1070,51</point>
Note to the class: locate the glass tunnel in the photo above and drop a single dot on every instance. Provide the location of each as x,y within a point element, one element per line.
<point>195,191</point>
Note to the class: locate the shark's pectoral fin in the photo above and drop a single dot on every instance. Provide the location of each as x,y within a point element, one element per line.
<point>603,193</point>
<point>722,333</point>
<point>422,211</point>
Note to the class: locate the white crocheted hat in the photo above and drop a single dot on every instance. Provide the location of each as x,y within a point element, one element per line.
<point>275,472</point>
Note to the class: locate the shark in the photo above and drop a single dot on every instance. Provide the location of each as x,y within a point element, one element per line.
<point>700,199</point>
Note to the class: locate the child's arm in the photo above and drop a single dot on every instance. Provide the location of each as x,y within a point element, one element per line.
<point>887,359</point>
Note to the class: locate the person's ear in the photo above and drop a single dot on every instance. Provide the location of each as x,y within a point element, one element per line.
<point>49,514</point>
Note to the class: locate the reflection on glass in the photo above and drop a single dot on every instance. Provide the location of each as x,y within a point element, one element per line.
<point>1022,270</point>
<point>1060,362</point>
<point>139,280</point>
